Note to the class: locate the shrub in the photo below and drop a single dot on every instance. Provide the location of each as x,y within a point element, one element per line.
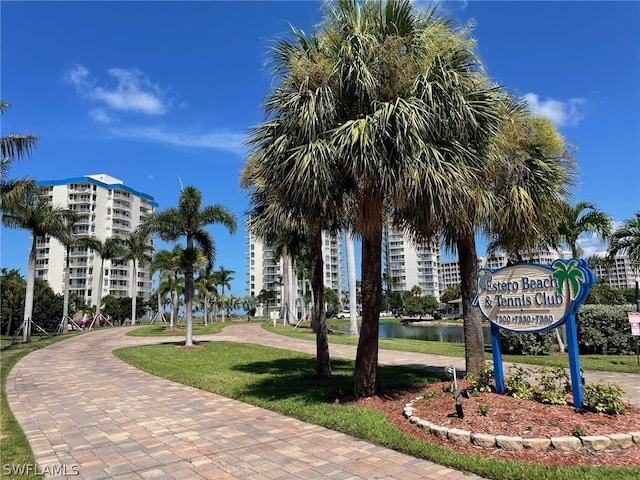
<point>602,398</point>
<point>516,383</point>
<point>604,329</point>
<point>481,380</point>
<point>483,409</point>
<point>553,386</point>
<point>526,343</point>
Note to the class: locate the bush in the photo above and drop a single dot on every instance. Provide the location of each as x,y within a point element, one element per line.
<point>604,329</point>
<point>526,343</point>
<point>481,380</point>
<point>516,383</point>
<point>553,387</point>
<point>602,398</point>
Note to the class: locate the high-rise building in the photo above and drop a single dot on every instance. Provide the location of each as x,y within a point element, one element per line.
<point>265,271</point>
<point>106,209</point>
<point>449,270</point>
<point>409,264</point>
<point>618,273</point>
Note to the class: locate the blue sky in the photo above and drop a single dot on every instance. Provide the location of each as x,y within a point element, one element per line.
<point>158,93</point>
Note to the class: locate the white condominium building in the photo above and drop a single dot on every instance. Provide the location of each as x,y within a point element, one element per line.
<point>409,264</point>
<point>106,209</point>
<point>265,271</point>
<point>619,273</point>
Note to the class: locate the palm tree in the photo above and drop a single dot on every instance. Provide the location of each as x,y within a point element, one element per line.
<point>107,249</point>
<point>626,239</point>
<point>206,287</point>
<point>40,219</point>
<point>250,304</point>
<point>222,278</point>
<point>168,263</point>
<point>14,147</point>
<point>136,251</point>
<point>581,218</point>
<point>189,220</point>
<point>70,240</point>
<point>376,108</point>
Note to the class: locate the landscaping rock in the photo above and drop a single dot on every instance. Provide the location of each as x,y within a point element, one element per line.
<point>596,442</point>
<point>536,443</point>
<point>621,440</point>
<point>566,444</point>
<point>459,436</point>
<point>509,443</point>
<point>483,440</point>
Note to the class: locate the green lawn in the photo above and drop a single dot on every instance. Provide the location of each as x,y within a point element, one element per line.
<point>282,381</point>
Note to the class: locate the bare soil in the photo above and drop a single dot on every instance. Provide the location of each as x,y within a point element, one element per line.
<point>512,417</point>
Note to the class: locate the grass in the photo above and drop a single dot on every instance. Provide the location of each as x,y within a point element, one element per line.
<point>14,447</point>
<point>605,363</point>
<point>283,381</point>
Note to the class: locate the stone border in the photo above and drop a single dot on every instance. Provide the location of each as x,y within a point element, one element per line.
<point>614,441</point>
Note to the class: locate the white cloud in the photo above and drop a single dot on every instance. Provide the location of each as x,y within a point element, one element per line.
<point>100,115</point>
<point>132,92</point>
<point>570,112</point>
<point>591,245</point>
<point>222,140</point>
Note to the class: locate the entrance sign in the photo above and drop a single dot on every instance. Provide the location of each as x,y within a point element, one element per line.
<point>530,298</point>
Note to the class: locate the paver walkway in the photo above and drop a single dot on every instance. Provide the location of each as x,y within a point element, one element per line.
<point>88,415</point>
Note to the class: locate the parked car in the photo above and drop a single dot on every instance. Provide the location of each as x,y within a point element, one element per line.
<point>343,314</point>
<point>386,313</point>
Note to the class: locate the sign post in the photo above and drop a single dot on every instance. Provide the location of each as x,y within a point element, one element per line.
<point>530,298</point>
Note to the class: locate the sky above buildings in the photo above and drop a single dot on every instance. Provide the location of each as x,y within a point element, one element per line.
<point>162,94</point>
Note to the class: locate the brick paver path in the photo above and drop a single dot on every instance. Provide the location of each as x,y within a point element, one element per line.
<point>85,411</point>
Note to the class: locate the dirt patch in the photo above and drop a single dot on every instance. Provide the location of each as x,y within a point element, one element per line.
<point>512,417</point>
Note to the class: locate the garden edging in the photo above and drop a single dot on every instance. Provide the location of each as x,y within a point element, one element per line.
<point>614,441</point>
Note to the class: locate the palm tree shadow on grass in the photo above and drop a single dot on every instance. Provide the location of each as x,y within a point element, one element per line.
<point>288,378</point>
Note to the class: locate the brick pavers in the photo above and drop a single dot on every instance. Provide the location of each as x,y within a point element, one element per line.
<point>87,415</point>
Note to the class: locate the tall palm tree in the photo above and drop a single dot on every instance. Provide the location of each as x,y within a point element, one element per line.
<point>189,220</point>
<point>14,147</point>
<point>41,220</point>
<point>583,217</point>
<point>419,99</point>
<point>107,249</point>
<point>135,250</point>
<point>206,287</point>
<point>222,278</point>
<point>626,239</point>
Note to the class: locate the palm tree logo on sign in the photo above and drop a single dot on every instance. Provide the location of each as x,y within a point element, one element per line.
<point>530,298</point>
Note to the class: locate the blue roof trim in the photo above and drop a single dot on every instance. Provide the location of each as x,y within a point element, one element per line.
<point>110,186</point>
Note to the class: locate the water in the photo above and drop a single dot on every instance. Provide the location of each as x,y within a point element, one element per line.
<point>434,333</point>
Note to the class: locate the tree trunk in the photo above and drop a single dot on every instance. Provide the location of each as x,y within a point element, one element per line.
<point>291,300</point>
<point>134,294</point>
<point>319,317</point>
<point>284,294</point>
<point>473,339</point>
<point>65,302</point>
<point>28,299</point>
<point>351,274</point>
<point>96,320</point>
<point>365,375</point>
<point>188,296</point>
<point>175,300</point>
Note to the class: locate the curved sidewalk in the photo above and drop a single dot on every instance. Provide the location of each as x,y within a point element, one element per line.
<point>87,415</point>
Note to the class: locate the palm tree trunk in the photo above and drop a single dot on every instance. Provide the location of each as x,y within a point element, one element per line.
<point>134,294</point>
<point>188,296</point>
<point>96,320</point>
<point>65,304</point>
<point>174,306</point>
<point>473,339</point>
<point>291,300</point>
<point>28,299</point>
<point>323,364</point>
<point>351,275</point>
<point>365,374</point>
